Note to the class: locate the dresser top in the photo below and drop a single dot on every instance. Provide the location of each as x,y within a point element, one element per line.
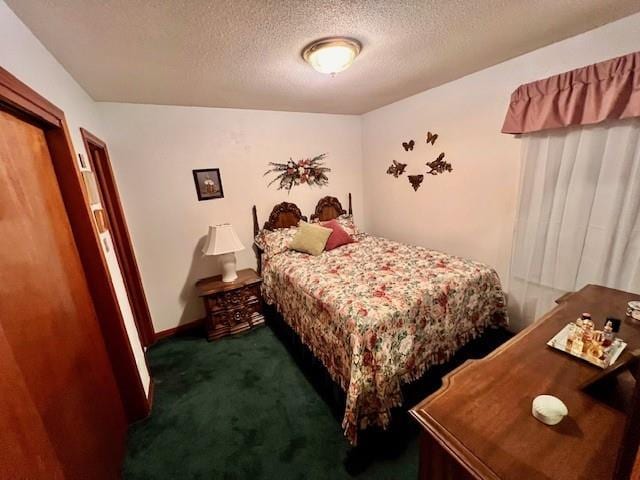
<point>482,413</point>
<point>208,286</point>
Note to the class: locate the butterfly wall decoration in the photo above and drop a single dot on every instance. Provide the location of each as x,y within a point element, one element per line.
<point>396,169</point>
<point>436,167</point>
<point>408,145</point>
<point>439,166</point>
<point>416,181</point>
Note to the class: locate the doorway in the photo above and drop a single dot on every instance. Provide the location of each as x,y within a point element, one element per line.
<point>116,224</point>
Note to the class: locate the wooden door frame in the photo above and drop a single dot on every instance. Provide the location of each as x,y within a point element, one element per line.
<point>27,104</point>
<point>110,198</point>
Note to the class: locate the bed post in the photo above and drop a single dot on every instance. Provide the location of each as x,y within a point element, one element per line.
<point>256,229</point>
<point>256,226</point>
<point>350,211</point>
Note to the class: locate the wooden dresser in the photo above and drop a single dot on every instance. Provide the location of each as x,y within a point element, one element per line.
<point>479,424</point>
<point>232,307</point>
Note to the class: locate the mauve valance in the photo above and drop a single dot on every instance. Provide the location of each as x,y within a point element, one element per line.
<point>602,91</point>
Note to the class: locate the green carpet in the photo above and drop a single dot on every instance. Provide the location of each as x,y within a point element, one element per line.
<point>241,408</point>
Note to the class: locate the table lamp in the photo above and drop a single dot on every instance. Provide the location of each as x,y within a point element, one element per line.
<point>223,241</point>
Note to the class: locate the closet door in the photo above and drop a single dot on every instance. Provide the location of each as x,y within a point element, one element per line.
<point>26,451</point>
<point>50,345</point>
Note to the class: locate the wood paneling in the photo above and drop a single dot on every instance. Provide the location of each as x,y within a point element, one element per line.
<point>48,318</point>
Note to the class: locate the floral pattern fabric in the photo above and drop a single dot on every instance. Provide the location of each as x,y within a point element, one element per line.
<point>272,242</point>
<point>378,313</point>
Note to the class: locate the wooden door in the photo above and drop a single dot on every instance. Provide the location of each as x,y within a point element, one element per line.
<point>69,419</point>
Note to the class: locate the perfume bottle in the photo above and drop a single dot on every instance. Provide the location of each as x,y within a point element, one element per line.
<point>576,348</point>
<point>607,335</point>
<point>587,335</point>
<point>587,321</point>
<point>570,337</point>
<point>615,324</point>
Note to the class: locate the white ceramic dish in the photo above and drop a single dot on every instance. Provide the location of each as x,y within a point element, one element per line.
<point>548,409</point>
<point>633,310</point>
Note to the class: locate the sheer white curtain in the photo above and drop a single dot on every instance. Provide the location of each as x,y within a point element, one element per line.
<point>578,219</point>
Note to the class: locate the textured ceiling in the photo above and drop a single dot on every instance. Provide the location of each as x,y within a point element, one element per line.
<point>246,53</point>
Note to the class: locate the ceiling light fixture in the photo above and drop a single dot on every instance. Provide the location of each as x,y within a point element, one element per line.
<point>332,55</point>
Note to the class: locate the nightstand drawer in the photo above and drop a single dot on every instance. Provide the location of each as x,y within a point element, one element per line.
<point>233,298</point>
<point>241,314</point>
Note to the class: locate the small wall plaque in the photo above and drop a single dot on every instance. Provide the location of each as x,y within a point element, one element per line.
<point>208,183</point>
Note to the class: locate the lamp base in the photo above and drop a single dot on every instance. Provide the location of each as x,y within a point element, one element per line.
<point>228,262</point>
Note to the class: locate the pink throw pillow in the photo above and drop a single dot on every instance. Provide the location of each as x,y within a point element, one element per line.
<point>338,237</point>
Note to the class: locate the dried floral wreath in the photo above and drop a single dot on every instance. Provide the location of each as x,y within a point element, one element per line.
<point>436,167</point>
<point>309,170</point>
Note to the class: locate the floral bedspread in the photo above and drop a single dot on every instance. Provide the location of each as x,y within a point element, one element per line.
<point>378,313</point>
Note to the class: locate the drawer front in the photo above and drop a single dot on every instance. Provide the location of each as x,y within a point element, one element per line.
<point>235,316</point>
<point>234,298</point>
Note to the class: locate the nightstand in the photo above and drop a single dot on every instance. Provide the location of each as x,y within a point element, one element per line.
<point>231,307</point>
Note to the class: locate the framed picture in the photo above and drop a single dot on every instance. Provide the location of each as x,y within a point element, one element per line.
<point>83,163</point>
<point>208,183</point>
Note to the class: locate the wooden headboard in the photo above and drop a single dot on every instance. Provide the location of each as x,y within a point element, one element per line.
<point>329,208</point>
<point>287,214</point>
<point>283,215</point>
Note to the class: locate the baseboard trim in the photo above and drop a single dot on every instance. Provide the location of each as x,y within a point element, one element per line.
<point>151,396</point>
<point>195,326</point>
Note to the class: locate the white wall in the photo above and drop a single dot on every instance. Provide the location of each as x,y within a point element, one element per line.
<point>468,212</point>
<point>155,148</point>
<point>26,58</point>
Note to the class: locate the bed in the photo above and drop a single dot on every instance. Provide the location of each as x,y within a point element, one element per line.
<point>376,313</point>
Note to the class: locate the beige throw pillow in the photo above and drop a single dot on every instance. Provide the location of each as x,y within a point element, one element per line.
<point>310,238</point>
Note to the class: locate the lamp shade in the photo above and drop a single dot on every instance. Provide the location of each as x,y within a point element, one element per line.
<point>222,239</point>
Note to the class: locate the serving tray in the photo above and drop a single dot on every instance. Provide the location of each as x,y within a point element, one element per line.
<point>560,339</point>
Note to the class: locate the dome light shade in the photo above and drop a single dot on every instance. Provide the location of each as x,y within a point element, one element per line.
<point>332,55</point>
